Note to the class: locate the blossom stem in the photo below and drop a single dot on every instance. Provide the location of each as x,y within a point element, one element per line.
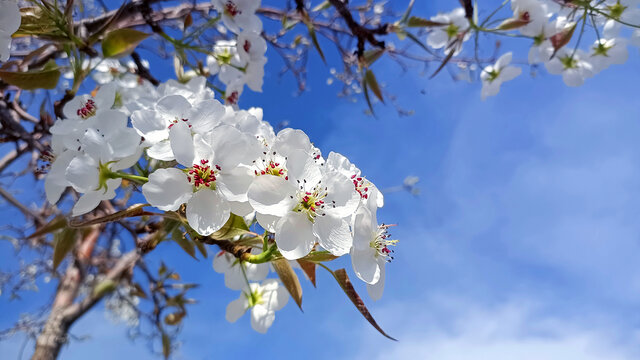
<point>136,178</point>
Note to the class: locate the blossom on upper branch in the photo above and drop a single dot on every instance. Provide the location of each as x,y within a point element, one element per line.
<point>455,31</point>
<point>239,14</point>
<point>494,75</point>
<point>9,23</point>
<point>263,299</point>
<point>573,66</point>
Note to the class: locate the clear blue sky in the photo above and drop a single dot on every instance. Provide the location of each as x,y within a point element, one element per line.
<point>524,243</point>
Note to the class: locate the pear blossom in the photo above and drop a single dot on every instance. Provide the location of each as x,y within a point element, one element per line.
<point>83,107</point>
<point>239,14</point>
<point>606,52</point>
<point>574,67</point>
<point>370,251</point>
<point>225,61</point>
<point>9,23</point>
<point>175,117</point>
<point>455,29</point>
<point>370,196</point>
<point>263,299</point>
<point>493,76</point>
<point>532,16</point>
<point>626,11</point>
<point>234,277</point>
<point>310,209</point>
<point>213,180</point>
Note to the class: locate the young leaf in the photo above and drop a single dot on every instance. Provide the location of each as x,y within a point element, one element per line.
<point>370,56</point>
<point>131,211</point>
<point>309,268</point>
<point>405,16</point>
<point>344,282</point>
<point>289,279</point>
<point>202,249</point>
<point>187,245</point>
<point>314,39</point>
<point>322,6</point>
<point>444,62</point>
<point>103,288</point>
<point>319,256</point>
<point>166,345</point>
<point>45,78</point>
<point>64,242</point>
<point>56,223</point>
<point>121,42</point>
<point>373,84</point>
<point>416,21</point>
<point>233,227</point>
<point>365,90</point>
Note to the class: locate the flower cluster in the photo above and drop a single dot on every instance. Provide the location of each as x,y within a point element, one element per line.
<point>208,161</point>
<point>550,25</point>
<point>241,60</point>
<point>9,23</point>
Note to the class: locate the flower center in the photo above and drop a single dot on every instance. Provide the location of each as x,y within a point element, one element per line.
<point>271,166</point>
<point>493,74</point>
<point>525,17</point>
<point>233,98</point>
<point>88,109</point>
<point>176,120</point>
<point>569,62</point>
<point>202,175</point>
<point>616,10</point>
<point>362,186</point>
<point>312,202</point>
<point>601,49</point>
<point>381,244</point>
<point>231,9</point>
<point>255,298</point>
<point>452,31</point>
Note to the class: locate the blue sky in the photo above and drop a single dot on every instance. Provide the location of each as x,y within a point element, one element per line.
<point>524,242</point>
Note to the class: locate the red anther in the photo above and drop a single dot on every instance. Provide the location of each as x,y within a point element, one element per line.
<point>312,208</point>
<point>273,166</point>
<point>354,176</point>
<point>286,178</point>
<point>246,46</point>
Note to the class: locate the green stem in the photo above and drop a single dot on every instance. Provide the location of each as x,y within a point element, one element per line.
<point>136,178</point>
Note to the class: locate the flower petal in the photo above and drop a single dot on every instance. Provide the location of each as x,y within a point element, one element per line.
<point>207,212</point>
<point>375,291</point>
<point>271,195</point>
<point>333,234</point>
<point>365,265</point>
<point>150,125</point>
<point>294,235</point>
<point>262,318</point>
<point>167,189</point>
<point>182,143</point>
<point>82,173</point>
<point>236,309</point>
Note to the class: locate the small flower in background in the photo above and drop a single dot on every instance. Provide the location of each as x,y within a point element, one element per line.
<point>263,300</point>
<point>494,75</point>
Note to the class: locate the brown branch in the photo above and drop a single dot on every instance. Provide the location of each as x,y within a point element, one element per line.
<point>363,34</point>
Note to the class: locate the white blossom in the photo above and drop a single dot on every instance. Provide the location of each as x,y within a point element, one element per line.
<point>493,76</point>
<point>264,300</point>
<point>9,23</point>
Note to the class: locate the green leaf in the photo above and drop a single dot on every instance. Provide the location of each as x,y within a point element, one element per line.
<point>416,21</point>
<point>289,279</point>
<point>365,89</point>
<point>103,288</point>
<point>513,23</point>
<point>201,248</point>
<point>187,245</point>
<point>417,41</point>
<point>64,242</point>
<point>405,16</point>
<point>370,56</point>
<point>444,62</point>
<point>121,42</point>
<point>319,256</point>
<point>45,78</point>
<point>314,39</point>
<point>166,345</point>
<point>131,211</point>
<point>322,6</point>
<point>56,223</point>
<point>400,33</point>
<point>344,282</point>
<point>233,227</point>
<point>309,268</point>
<point>370,78</point>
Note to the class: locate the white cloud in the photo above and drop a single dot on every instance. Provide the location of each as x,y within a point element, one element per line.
<point>451,329</point>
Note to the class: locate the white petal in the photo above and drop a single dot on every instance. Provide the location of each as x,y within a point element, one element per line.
<point>233,147</point>
<point>83,174</point>
<point>289,139</point>
<point>106,96</point>
<point>234,184</point>
<point>207,212</point>
<point>503,61</point>
<point>256,272</point>
<point>294,235</point>
<point>241,208</point>
<point>364,228</point>
<point>509,73</point>
<point>301,166</point>
<point>151,125</point>
<point>268,222</point>
<point>161,151</point>
<point>222,262</point>
<point>236,309</point>
<point>375,291</point>
<point>86,203</point>
<point>342,191</point>
<point>333,234</point>
<point>365,265</point>
<point>206,115</point>
<point>167,189</point>
<point>271,195</point>
<point>182,143</point>
<point>274,294</point>
<point>262,318</point>
<point>174,107</point>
